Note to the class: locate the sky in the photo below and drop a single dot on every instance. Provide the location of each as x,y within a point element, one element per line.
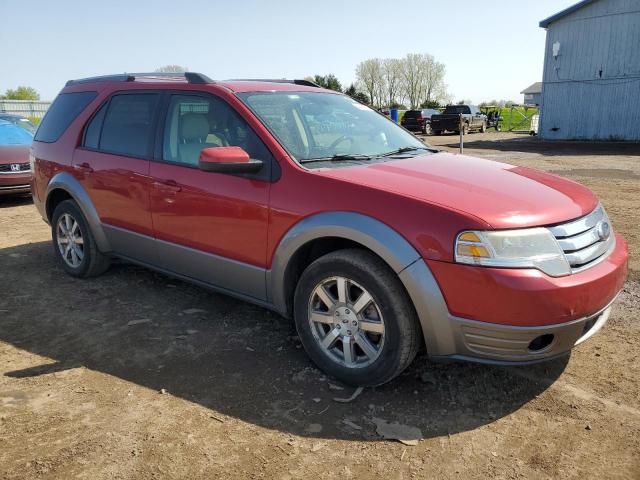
<point>492,49</point>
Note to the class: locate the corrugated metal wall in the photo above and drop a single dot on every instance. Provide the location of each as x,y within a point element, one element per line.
<point>592,89</point>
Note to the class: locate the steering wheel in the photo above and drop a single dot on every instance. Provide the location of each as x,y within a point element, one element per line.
<point>339,140</point>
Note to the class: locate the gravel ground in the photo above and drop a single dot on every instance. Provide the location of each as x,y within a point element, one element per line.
<point>136,375</point>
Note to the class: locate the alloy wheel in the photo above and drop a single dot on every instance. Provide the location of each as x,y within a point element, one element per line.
<point>346,322</point>
<point>70,240</point>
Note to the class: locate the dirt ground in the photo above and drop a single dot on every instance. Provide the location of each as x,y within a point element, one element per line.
<point>136,375</point>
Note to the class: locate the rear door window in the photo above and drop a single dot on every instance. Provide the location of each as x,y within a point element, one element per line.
<point>127,128</point>
<point>64,110</point>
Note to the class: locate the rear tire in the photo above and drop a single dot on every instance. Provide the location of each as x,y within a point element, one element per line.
<point>483,128</point>
<point>355,319</point>
<point>74,244</point>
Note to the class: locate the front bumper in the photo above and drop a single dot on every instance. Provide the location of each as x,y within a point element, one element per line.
<point>511,316</point>
<point>499,344</point>
<point>11,183</point>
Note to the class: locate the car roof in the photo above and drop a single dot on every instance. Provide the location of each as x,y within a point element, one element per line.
<point>172,80</point>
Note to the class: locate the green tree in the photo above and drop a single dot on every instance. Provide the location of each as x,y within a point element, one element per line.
<point>353,92</point>
<point>21,93</point>
<point>433,104</point>
<point>327,81</point>
<point>397,105</point>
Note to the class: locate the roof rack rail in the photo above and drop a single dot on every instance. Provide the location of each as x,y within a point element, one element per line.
<point>306,83</point>
<point>191,77</point>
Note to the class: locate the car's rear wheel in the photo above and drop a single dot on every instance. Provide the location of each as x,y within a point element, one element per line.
<point>73,242</point>
<point>354,318</point>
<point>483,127</point>
<point>465,129</point>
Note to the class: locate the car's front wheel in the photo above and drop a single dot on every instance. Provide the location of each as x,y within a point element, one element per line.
<point>354,318</point>
<point>73,242</point>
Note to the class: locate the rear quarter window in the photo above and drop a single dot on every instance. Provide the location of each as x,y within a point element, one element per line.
<point>127,126</point>
<point>64,110</point>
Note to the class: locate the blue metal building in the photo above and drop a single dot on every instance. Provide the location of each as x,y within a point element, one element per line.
<point>591,81</point>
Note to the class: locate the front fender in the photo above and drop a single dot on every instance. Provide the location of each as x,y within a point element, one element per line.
<point>381,239</point>
<point>67,182</point>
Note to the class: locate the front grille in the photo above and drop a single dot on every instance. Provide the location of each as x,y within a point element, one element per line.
<point>23,167</point>
<point>587,240</point>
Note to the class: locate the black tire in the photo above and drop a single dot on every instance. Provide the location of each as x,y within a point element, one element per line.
<point>483,127</point>
<point>402,333</point>
<point>465,129</point>
<point>93,262</point>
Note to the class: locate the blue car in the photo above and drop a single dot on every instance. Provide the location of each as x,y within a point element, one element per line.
<point>19,120</point>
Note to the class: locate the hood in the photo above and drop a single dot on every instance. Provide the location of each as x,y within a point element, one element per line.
<point>503,195</point>
<point>14,154</point>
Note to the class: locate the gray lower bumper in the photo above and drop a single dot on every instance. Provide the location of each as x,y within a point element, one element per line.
<point>450,337</point>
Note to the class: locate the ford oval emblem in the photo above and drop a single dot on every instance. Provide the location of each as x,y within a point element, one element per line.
<point>604,230</point>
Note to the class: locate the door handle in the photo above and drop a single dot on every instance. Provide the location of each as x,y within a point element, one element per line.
<point>168,185</point>
<point>85,167</point>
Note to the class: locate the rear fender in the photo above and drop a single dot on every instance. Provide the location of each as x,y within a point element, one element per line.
<point>67,182</point>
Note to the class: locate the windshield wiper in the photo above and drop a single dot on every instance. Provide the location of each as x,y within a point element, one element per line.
<point>336,158</point>
<point>405,150</point>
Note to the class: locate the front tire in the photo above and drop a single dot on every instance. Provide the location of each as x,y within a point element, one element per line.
<point>73,242</point>
<point>355,319</point>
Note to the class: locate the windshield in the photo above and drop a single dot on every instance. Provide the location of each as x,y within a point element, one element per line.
<point>457,109</point>
<point>314,126</point>
<point>11,134</point>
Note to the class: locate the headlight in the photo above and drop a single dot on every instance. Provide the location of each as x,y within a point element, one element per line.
<point>526,248</point>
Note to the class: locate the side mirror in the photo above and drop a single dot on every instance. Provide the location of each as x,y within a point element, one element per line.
<point>227,160</point>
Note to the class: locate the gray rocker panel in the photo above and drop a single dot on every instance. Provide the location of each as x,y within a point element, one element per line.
<point>68,183</point>
<point>206,268</point>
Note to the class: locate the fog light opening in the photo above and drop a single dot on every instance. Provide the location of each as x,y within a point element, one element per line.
<point>541,342</point>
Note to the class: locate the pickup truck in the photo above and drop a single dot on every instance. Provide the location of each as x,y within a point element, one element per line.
<point>449,120</point>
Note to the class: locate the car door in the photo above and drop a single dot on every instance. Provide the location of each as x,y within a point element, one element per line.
<point>112,165</point>
<point>211,227</point>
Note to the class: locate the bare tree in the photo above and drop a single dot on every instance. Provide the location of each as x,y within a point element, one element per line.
<point>433,79</point>
<point>418,78</point>
<point>370,77</point>
<point>422,79</point>
<point>172,69</point>
<point>392,74</point>
<point>414,67</point>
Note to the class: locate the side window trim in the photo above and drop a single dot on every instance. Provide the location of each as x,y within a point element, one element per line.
<point>107,103</point>
<point>271,166</point>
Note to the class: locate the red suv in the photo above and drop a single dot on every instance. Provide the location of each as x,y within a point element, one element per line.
<point>309,203</point>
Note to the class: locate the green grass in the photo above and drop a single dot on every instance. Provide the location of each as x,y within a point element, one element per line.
<point>517,122</point>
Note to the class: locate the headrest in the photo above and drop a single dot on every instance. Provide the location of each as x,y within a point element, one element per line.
<point>194,126</point>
